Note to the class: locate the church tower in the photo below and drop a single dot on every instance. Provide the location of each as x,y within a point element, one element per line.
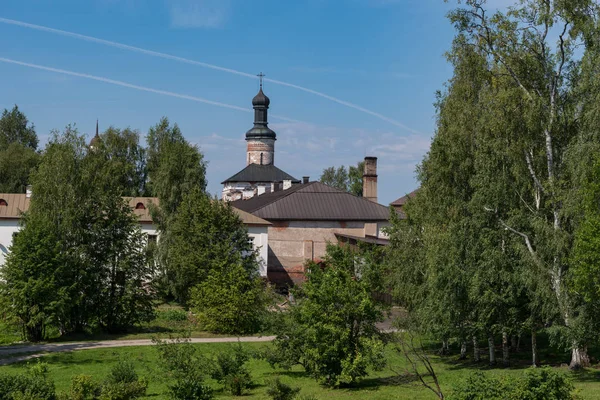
<point>261,139</point>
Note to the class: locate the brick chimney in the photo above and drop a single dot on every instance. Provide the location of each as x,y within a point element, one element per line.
<point>370,179</point>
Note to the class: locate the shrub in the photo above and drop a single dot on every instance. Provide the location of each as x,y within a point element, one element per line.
<point>230,369</point>
<point>123,383</point>
<point>123,372</point>
<point>83,387</point>
<point>123,390</point>
<point>190,389</point>
<point>180,359</point>
<point>537,384</point>
<point>232,301</point>
<point>31,385</point>
<point>278,390</point>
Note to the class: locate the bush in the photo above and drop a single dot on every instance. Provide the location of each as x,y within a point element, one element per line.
<point>180,359</point>
<point>278,390</point>
<point>83,387</point>
<point>123,383</point>
<point>232,301</point>
<point>31,385</point>
<point>332,329</point>
<point>537,384</point>
<point>190,388</point>
<point>123,390</point>
<point>230,370</point>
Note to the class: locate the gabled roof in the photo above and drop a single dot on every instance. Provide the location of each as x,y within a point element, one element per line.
<point>313,201</point>
<point>19,203</point>
<point>261,173</point>
<point>404,199</point>
<point>250,219</point>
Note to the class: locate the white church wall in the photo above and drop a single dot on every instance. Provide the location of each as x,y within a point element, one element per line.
<point>260,239</point>
<point>8,227</point>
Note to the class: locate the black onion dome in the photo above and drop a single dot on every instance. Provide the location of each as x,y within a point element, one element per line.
<point>95,142</point>
<point>261,99</point>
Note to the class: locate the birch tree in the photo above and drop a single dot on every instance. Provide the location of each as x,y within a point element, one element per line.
<point>523,54</point>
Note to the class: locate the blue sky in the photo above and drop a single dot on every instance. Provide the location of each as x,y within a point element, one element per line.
<point>384,56</point>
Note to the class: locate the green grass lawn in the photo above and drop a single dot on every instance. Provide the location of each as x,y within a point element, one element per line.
<point>382,385</point>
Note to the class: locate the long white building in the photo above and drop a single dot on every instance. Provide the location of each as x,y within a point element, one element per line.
<point>13,205</point>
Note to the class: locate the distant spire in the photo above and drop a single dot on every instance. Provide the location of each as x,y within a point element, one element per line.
<point>97,127</point>
<point>260,77</point>
<point>95,142</point>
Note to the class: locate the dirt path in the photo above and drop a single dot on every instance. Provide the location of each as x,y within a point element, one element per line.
<point>39,350</point>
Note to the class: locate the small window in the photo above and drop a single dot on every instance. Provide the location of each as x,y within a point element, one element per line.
<point>140,206</point>
<point>152,239</point>
<point>3,203</point>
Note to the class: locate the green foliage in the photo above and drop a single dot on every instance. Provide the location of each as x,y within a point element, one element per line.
<point>332,329</point>
<point>349,180</point>
<point>179,358</point>
<point>31,385</point>
<point>278,390</point>
<point>174,315</point>
<point>16,163</point>
<point>231,300</point>
<point>540,384</point>
<point>122,372</point>
<point>206,237</point>
<point>229,368</point>
<point>190,388</point>
<point>15,128</point>
<point>123,390</point>
<point>80,262</point>
<point>126,160</point>
<point>83,387</point>
<point>31,291</point>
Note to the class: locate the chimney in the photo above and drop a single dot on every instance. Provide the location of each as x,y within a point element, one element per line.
<point>305,179</point>
<point>370,179</point>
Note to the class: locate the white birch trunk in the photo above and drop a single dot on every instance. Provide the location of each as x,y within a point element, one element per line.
<point>492,350</point>
<point>463,350</point>
<point>534,355</point>
<point>579,357</point>
<point>505,350</point>
<point>476,356</point>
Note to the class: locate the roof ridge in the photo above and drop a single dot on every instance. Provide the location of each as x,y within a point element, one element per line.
<point>288,192</point>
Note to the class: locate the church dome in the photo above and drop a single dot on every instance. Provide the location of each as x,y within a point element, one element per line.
<point>261,99</point>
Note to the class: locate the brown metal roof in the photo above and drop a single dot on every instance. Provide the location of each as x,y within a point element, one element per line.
<point>313,201</point>
<point>16,204</point>
<point>250,219</point>
<point>404,199</point>
<point>19,203</point>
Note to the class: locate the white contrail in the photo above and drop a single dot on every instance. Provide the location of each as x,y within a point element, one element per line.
<point>203,64</point>
<point>137,87</point>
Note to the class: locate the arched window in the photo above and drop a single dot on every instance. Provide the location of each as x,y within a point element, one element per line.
<point>3,202</point>
<point>140,206</point>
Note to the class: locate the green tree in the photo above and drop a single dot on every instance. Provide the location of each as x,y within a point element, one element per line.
<point>15,128</point>
<point>349,180</point>
<point>337,178</point>
<point>98,278</point>
<point>126,159</point>
<point>332,330</point>
<point>16,164</point>
<point>533,111</point>
<point>31,291</point>
<point>206,236</point>
<point>18,142</point>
